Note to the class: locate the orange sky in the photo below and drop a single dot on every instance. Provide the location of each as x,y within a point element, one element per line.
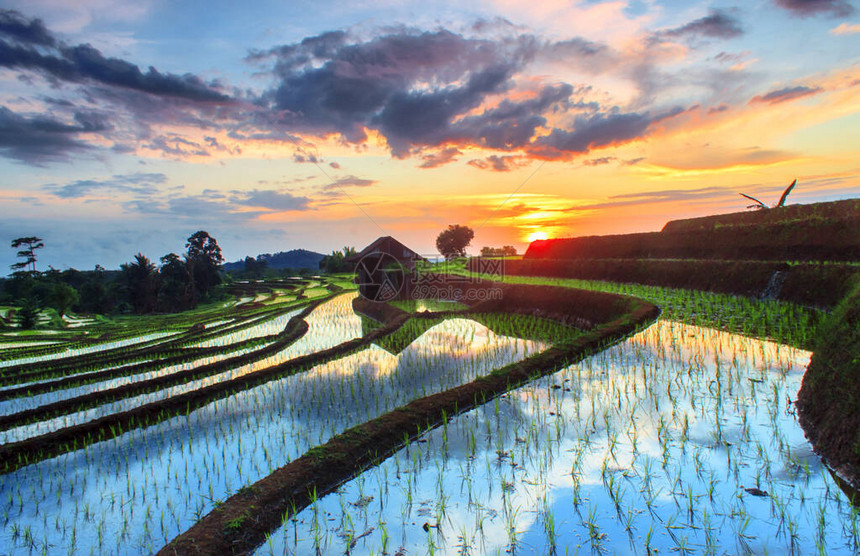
<point>514,118</point>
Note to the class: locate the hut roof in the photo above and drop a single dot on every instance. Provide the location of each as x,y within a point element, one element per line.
<point>390,246</point>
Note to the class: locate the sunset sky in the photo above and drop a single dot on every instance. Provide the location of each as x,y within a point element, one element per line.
<point>128,125</point>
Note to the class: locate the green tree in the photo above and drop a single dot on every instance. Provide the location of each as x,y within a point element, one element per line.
<point>506,251</point>
<point>30,245</point>
<point>255,268</point>
<point>336,262</point>
<point>141,279</point>
<point>452,242</point>
<point>175,291</point>
<point>98,292</point>
<point>28,315</point>
<point>62,297</point>
<point>204,261</point>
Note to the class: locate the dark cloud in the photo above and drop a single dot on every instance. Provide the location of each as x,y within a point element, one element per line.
<point>806,8</point>
<point>409,85</point>
<point>498,163</point>
<point>598,130</point>
<point>440,158</point>
<point>592,132</point>
<point>785,94</point>
<point>633,161</point>
<point>15,26</point>
<point>40,139</point>
<point>272,199</point>
<point>410,118</point>
<point>717,109</point>
<point>717,24</point>
<point>334,165</point>
<point>142,184</point>
<point>83,63</point>
<point>512,124</point>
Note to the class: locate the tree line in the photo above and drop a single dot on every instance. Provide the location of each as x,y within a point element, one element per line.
<point>140,286</point>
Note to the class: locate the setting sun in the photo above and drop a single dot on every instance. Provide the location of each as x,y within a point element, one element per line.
<point>534,236</point>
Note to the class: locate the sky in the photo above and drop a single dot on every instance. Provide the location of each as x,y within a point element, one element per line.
<point>128,125</point>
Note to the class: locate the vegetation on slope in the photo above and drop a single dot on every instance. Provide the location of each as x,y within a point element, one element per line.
<point>829,400</point>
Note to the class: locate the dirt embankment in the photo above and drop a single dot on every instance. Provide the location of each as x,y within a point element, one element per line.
<point>241,523</point>
<point>829,400</point>
<point>813,284</point>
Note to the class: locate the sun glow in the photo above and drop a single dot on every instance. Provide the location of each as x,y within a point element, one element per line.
<point>534,236</point>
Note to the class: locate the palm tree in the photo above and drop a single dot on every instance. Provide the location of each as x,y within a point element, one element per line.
<point>141,279</point>
<point>761,206</point>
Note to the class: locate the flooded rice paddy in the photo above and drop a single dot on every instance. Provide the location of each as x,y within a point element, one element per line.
<point>680,439</point>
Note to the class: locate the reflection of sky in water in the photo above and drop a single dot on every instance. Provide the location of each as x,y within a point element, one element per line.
<point>145,487</point>
<point>330,324</point>
<point>652,440</point>
<point>75,352</point>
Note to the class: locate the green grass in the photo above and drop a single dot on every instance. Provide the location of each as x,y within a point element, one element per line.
<point>527,327</point>
<point>784,322</point>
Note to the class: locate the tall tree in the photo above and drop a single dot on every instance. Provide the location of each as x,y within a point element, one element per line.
<point>28,315</point>
<point>62,297</point>
<point>28,253</point>
<point>336,262</point>
<point>204,261</point>
<point>453,241</point>
<point>141,280</point>
<point>255,268</point>
<point>175,291</point>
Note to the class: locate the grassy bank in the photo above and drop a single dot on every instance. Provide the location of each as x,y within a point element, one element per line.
<point>829,400</point>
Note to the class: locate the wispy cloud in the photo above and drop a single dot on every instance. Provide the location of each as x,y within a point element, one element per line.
<point>498,163</point>
<point>807,8</point>
<point>717,24</point>
<point>348,181</point>
<point>272,200</point>
<point>140,184</point>
<point>846,29</point>
<point>440,158</point>
<point>785,94</point>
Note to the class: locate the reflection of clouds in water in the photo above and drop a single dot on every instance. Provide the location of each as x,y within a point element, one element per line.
<point>192,461</point>
<point>330,324</point>
<point>699,406</point>
<point>467,338</point>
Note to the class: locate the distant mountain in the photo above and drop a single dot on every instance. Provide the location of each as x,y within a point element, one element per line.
<point>297,258</point>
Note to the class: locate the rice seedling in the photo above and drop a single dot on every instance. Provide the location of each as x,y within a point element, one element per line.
<point>168,475</point>
<point>690,456</point>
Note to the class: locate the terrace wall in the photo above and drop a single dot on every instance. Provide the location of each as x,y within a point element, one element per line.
<point>829,399</point>
<point>815,284</point>
<point>817,232</point>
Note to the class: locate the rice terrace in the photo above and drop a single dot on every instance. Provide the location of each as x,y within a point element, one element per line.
<point>299,415</point>
<point>438,278</point>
